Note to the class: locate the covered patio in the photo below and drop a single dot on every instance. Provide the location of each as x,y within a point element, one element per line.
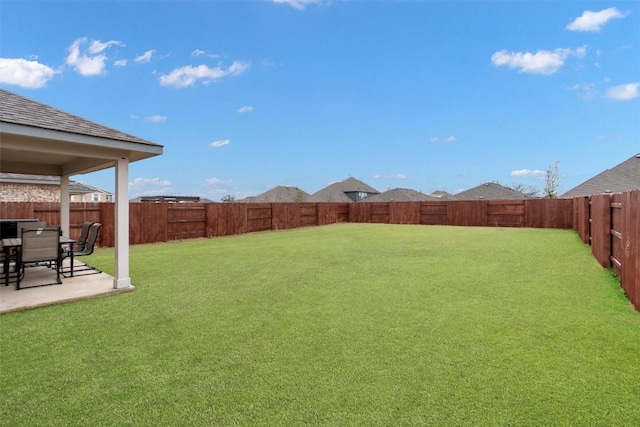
<point>72,289</point>
<point>38,139</point>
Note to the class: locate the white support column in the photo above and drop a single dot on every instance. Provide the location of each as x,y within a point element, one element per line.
<point>122,279</point>
<point>64,205</point>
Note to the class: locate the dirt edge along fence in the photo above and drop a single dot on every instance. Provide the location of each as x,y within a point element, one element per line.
<point>609,223</point>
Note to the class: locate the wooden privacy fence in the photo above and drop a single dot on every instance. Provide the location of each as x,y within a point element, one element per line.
<point>611,225</point>
<point>162,222</point>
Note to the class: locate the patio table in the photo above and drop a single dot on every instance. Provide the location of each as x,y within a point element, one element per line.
<point>16,243</point>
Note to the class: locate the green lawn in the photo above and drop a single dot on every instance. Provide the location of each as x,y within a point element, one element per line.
<point>345,325</point>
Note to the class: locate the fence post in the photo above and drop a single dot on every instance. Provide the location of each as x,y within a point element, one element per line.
<point>630,277</point>
<point>601,229</point>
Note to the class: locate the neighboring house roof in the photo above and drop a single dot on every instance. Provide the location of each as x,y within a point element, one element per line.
<point>79,187</point>
<point>170,199</point>
<point>618,179</point>
<point>280,194</point>
<point>441,195</point>
<point>400,195</point>
<point>489,191</point>
<point>74,186</point>
<point>337,192</point>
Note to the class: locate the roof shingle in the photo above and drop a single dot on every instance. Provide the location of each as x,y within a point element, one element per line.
<point>401,195</point>
<point>620,178</point>
<point>23,111</point>
<point>336,192</point>
<point>489,191</point>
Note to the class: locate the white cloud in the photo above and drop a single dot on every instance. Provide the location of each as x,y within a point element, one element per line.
<point>120,63</point>
<point>149,187</point>
<point>24,73</point>
<point>438,139</point>
<point>156,119</point>
<point>216,181</point>
<point>542,62</point>
<point>145,57</point>
<point>526,173</point>
<point>97,46</point>
<point>220,143</point>
<point>390,176</point>
<point>266,63</point>
<point>624,92</point>
<point>591,21</point>
<point>153,119</point>
<point>237,67</point>
<point>298,4</point>
<point>585,90</point>
<point>200,52</point>
<point>91,61</point>
<point>188,75</point>
<point>245,109</point>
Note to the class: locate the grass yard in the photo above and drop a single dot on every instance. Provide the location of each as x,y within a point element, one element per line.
<point>345,325</point>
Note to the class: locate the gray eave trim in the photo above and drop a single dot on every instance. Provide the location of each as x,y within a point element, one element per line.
<point>56,135</point>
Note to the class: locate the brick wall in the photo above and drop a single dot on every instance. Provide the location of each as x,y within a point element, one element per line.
<point>14,192</point>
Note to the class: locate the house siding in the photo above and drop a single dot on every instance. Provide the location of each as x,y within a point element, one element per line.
<point>88,197</point>
<point>29,192</point>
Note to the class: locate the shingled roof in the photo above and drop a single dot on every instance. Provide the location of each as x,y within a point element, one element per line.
<point>489,191</point>
<point>620,178</point>
<point>280,194</point>
<point>339,191</point>
<point>38,139</point>
<point>441,195</point>
<point>23,111</point>
<point>401,195</point>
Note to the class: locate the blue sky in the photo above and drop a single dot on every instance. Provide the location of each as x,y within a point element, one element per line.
<point>427,95</point>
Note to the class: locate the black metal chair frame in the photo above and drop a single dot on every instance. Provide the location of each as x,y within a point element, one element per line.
<point>87,249</point>
<point>82,240</point>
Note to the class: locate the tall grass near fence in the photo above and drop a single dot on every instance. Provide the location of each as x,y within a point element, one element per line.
<point>347,325</point>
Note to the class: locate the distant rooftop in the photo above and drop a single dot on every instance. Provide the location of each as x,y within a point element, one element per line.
<point>349,190</point>
<point>74,186</point>
<point>489,191</point>
<point>401,195</point>
<point>280,194</point>
<point>618,179</point>
<point>170,199</point>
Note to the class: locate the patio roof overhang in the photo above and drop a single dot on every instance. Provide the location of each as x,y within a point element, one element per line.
<point>37,151</point>
<point>38,139</point>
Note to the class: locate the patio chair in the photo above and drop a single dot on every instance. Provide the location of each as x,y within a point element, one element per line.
<point>84,233</point>
<point>87,249</point>
<point>41,245</point>
<point>9,256</point>
<point>28,225</point>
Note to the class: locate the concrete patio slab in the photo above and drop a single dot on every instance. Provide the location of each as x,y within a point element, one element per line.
<point>75,288</point>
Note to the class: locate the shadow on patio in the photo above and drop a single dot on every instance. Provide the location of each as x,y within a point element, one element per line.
<point>72,289</point>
